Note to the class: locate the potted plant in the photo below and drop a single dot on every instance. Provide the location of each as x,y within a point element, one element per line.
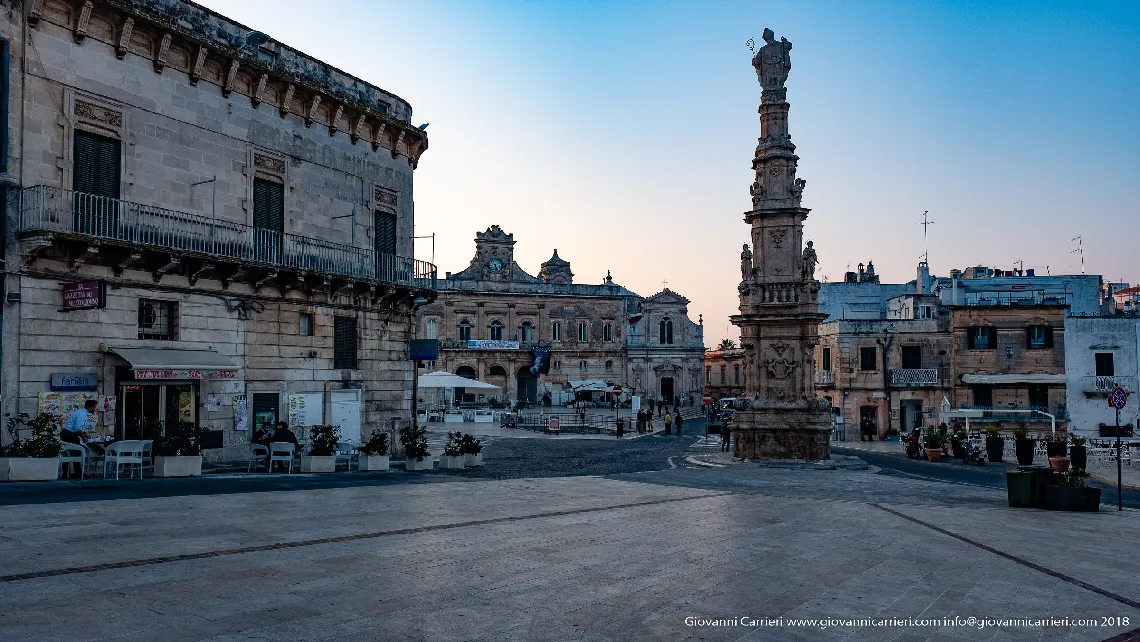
<point>374,452</point>
<point>1058,445</point>
<point>472,450</point>
<point>1078,456</point>
<point>1072,495</point>
<point>178,452</point>
<point>932,442</point>
<point>416,453</point>
<point>892,434</point>
<point>452,451</point>
<point>957,443</point>
<point>35,458</point>
<point>321,457</point>
<point>1024,447</point>
<point>995,443</point>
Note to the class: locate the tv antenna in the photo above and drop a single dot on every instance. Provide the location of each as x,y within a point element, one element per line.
<point>751,45</point>
<point>1080,249</point>
<point>926,223</point>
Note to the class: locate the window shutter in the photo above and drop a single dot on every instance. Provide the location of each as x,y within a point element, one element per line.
<point>268,205</point>
<point>344,343</point>
<point>385,224</point>
<point>107,168</point>
<point>1029,336</point>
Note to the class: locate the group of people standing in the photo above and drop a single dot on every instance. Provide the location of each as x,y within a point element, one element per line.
<point>645,419</point>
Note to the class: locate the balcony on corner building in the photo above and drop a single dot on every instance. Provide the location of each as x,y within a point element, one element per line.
<point>915,378</point>
<point>1014,298</point>
<point>823,378</point>
<point>1102,385</point>
<point>90,229</point>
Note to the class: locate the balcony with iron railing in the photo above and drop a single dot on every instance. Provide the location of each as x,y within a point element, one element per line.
<point>823,378</point>
<point>1106,384</point>
<point>915,378</point>
<point>1014,298</point>
<point>1019,413</point>
<point>120,233</point>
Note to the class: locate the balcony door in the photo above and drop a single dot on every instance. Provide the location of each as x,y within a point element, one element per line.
<point>911,357</point>
<point>268,220</point>
<point>385,234</point>
<point>95,179</point>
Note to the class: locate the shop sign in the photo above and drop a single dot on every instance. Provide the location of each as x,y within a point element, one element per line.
<point>185,374</point>
<point>491,344</point>
<point>74,381</point>
<point>425,349</point>
<point>84,295</point>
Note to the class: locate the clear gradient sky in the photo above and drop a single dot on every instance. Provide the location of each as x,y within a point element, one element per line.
<point>622,132</point>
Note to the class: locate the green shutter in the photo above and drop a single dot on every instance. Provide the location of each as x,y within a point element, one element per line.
<point>96,165</point>
<point>344,343</point>
<point>385,232</point>
<point>268,205</point>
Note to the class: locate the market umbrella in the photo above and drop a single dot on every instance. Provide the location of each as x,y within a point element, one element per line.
<point>448,380</point>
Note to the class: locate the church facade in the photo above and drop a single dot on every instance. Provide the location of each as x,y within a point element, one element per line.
<point>493,321</point>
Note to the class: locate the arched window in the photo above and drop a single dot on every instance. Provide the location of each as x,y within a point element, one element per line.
<point>583,332</point>
<point>526,332</point>
<point>608,332</point>
<point>431,331</point>
<point>583,366</point>
<point>666,327</point>
<point>556,331</point>
<point>496,329</point>
<point>609,366</point>
<point>498,371</point>
<point>465,330</point>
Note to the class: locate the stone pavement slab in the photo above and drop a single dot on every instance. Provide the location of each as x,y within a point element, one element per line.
<point>581,558</point>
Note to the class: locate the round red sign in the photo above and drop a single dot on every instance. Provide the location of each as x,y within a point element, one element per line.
<point>707,398</point>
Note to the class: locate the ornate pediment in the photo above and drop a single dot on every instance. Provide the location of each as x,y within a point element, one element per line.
<point>667,368</point>
<point>667,296</point>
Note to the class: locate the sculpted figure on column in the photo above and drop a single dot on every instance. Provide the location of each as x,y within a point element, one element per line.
<point>773,62</point>
<point>746,264</point>
<point>810,261</point>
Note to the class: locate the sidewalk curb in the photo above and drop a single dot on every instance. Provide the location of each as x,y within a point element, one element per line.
<point>1112,482</point>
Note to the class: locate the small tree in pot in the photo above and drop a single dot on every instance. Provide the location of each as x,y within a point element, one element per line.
<point>178,451</point>
<point>1072,495</point>
<point>1023,445</point>
<point>995,443</point>
<point>374,452</point>
<point>416,453</point>
<point>1057,447</point>
<point>452,451</point>
<point>957,441</point>
<point>932,441</point>
<point>1078,455</point>
<point>321,457</point>
<point>472,450</point>
<point>36,457</point>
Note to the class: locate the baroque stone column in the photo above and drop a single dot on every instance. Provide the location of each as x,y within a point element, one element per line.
<point>779,316</point>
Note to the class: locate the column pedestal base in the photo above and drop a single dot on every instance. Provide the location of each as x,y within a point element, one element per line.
<point>782,433</point>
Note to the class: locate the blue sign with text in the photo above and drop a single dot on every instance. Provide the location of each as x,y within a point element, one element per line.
<point>74,381</point>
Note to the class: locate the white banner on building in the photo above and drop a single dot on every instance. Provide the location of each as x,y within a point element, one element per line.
<point>489,344</point>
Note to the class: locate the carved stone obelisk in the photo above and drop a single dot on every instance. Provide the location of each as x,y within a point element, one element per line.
<point>779,316</point>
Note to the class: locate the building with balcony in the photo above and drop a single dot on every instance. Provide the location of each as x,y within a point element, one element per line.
<point>1100,356</point>
<point>495,321</point>
<point>202,225</point>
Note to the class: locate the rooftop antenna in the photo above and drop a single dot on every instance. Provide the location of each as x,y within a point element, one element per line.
<point>1080,249</point>
<point>926,236</point>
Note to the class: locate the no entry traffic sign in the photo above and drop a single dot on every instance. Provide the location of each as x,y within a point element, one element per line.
<point>1118,398</point>
<point>707,398</point>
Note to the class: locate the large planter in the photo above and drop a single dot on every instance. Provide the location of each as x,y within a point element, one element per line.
<point>29,468</point>
<point>1024,449</point>
<point>1079,457</point>
<point>1071,499</point>
<point>372,462</point>
<point>186,466</point>
<point>1059,464</point>
<point>449,462</point>
<point>995,448</point>
<point>318,463</point>
<point>419,464</point>
<point>470,460</point>
<point>934,454</point>
<point>1057,448</point>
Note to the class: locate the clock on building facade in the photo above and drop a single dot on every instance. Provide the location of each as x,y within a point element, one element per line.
<point>495,265</point>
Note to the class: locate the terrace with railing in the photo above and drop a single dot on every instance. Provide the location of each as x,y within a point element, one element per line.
<point>1015,297</point>
<point>914,377</point>
<point>1106,384</point>
<point>205,242</point>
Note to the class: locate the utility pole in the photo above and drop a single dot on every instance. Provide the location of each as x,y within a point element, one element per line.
<point>926,236</point>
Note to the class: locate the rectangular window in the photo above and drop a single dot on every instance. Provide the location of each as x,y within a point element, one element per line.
<point>344,343</point>
<point>96,165</point>
<point>385,232</point>
<point>911,357</point>
<point>268,219</point>
<point>305,324</point>
<point>827,359</point>
<point>868,359</point>
<point>496,331</point>
<point>583,332</point>
<point>1104,365</point>
<point>983,396</point>
<point>556,331</point>
<point>983,337</point>
<point>464,332</point>
<point>924,312</point>
<point>1039,336</point>
<point>158,320</point>
<point>1038,396</point>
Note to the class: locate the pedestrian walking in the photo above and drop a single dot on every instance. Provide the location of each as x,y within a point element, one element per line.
<point>649,421</point>
<point>725,438</point>
<point>668,423</point>
<point>640,421</point>
<point>680,422</point>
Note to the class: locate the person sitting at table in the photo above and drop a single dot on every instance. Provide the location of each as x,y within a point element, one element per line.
<point>264,435</point>
<point>284,434</point>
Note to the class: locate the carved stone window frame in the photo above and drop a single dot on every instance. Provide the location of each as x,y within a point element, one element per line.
<point>382,199</point>
<point>271,166</point>
<point>95,114</point>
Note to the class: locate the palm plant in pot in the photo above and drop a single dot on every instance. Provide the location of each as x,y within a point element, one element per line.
<point>932,441</point>
<point>472,450</point>
<point>452,451</point>
<point>321,457</point>
<point>995,443</point>
<point>178,451</point>
<point>374,452</point>
<point>1024,447</point>
<point>1078,456</point>
<point>1057,447</point>
<point>416,454</point>
<point>34,457</point>
<point>1072,494</point>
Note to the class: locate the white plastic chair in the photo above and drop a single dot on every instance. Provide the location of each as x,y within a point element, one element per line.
<point>281,451</point>
<point>70,453</point>
<point>147,455</point>
<point>119,453</point>
<point>346,452</point>
<point>258,455</point>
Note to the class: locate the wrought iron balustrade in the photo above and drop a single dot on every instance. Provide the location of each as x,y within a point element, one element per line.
<point>823,378</point>
<point>905,377</point>
<point>54,210</point>
<point>1109,383</point>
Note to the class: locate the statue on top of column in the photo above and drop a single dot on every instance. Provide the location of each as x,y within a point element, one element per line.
<point>773,62</point>
<point>746,264</point>
<point>810,261</point>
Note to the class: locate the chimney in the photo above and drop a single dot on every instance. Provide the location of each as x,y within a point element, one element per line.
<point>923,278</point>
<point>954,276</point>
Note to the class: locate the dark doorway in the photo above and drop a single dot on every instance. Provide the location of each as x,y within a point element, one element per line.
<point>527,387</point>
<point>868,420</point>
<point>667,389</point>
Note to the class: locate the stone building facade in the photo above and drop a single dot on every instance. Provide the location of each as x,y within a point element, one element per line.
<point>492,317</point>
<point>726,374</point>
<point>202,225</point>
<point>1101,354</point>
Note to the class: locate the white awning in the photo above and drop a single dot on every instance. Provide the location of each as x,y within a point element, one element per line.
<point>590,385</point>
<point>440,380</point>
<point>998,379</point>
<point>170,363</point>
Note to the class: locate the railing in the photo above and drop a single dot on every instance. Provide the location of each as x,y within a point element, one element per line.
<point>914,377</point>
<point>52,209</point>
<point>569,423</point>
<point>1016,297</point>
<point>1110,383</point>
<point>823,378</point>
<point>1017,413</point>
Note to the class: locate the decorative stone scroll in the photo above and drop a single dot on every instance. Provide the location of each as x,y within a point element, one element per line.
<point>269,163</point>
<point>97,113</point>
<point>385,197</point>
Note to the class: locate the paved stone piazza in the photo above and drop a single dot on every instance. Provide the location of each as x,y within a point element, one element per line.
<point>486,555</point>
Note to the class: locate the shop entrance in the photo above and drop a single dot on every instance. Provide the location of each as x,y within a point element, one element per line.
<point>146,405</point>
